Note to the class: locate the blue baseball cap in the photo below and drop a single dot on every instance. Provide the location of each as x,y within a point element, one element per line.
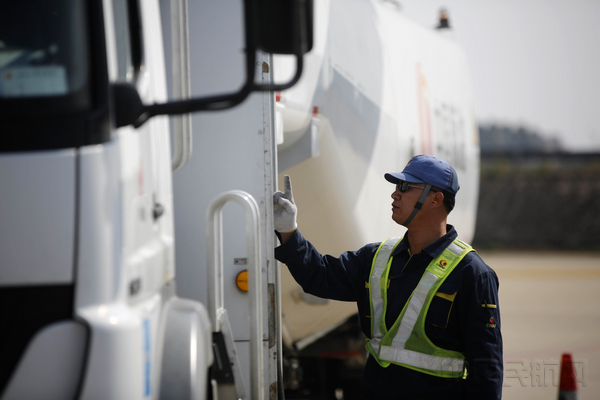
<point>428,169</point>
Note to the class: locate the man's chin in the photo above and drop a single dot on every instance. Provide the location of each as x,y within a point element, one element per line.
<point>398,220</point>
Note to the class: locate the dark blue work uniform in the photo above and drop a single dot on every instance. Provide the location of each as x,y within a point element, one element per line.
<point>464,316</point>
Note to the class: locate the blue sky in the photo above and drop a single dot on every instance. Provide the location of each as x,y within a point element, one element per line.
<point>533,62</point>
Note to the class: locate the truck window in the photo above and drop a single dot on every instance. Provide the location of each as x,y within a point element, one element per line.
<point>123,40</point>
<point>128,37</point>
<point>54,89</point>
<point>43,50</point>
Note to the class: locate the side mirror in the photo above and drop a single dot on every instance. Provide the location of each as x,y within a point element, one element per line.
<point>285,26</point>
<point>273,26</point>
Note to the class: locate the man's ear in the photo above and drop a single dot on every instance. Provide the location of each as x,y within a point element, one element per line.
<point>438,199</point>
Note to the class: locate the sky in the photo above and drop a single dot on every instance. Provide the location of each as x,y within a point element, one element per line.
<point>534,63</point>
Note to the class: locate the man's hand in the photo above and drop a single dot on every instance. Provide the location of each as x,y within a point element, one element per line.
<point>284,209</point>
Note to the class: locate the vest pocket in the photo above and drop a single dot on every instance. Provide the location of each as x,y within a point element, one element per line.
<point>439,310</point>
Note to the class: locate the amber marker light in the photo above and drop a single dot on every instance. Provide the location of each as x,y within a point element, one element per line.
<point>241,280</point>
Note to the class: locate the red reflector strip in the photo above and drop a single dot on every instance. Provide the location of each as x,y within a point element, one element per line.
<point>315,111</point>
<point>277,96</point>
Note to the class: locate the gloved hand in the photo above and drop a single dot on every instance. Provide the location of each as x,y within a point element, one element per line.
<point>284,209</point>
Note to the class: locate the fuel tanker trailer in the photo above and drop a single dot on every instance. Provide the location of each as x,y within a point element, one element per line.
<point>377,89</point>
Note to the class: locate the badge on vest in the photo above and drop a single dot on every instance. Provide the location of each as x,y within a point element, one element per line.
<point>442,264</point>
<point>491,324</point>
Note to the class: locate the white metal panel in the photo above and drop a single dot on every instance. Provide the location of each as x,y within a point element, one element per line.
<point>148,242</point>
<point>233,150</point>
<point>158,133</point>
<point>100,229</point>
<point>122,360</point>
<point>228,154</point>
<point>37,217</point>
<point>126,253</point>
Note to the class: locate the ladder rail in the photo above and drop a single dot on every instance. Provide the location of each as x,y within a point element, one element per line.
<point>216,304</point>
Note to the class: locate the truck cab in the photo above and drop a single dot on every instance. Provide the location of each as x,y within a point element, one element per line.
<point>87,249</point>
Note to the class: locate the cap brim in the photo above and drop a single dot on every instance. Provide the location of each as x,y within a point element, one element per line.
<point>394,177</point>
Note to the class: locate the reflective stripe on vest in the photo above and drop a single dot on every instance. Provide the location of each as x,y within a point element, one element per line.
<point>406,343</point>
<point>379,266</point>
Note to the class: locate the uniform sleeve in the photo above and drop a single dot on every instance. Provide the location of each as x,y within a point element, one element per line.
<point>483,338</point>
<point>337,278</point>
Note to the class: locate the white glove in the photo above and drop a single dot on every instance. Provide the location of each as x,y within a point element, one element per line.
<point>284,209</point>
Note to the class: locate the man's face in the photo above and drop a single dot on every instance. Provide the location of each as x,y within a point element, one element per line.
<point>404,203</point>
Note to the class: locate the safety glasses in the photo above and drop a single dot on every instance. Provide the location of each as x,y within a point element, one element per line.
<point>404,186</point>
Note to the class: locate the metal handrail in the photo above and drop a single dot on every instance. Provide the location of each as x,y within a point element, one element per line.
<point>214,251</point>
<point>182,124</point>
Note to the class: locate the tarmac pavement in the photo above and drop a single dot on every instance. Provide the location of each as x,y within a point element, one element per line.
<point>549,305</point>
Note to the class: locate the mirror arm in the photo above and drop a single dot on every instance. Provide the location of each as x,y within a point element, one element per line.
<point>223,102</point>
<point>217,102</point>
<point>212,103</point>
<point>208,103</point>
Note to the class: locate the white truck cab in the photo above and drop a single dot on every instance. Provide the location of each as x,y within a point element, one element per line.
<point>87,295</point>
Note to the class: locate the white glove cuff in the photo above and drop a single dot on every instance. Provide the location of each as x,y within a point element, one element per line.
<point>286,226</point>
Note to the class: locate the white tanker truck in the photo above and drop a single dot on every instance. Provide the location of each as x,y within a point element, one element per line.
<point>118,281</point>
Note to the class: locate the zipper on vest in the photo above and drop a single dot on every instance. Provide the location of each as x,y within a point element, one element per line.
<point>407,262</point>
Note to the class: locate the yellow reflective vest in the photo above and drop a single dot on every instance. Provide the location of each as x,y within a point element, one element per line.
<point>406,343</point>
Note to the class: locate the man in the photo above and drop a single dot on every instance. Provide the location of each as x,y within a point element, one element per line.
<point>444,22</point>
<point>430,314</point>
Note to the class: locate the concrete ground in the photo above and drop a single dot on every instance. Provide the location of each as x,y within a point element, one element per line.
<point>550,305</point>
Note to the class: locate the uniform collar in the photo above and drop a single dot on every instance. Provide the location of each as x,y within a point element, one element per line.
<point>435,248</point>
